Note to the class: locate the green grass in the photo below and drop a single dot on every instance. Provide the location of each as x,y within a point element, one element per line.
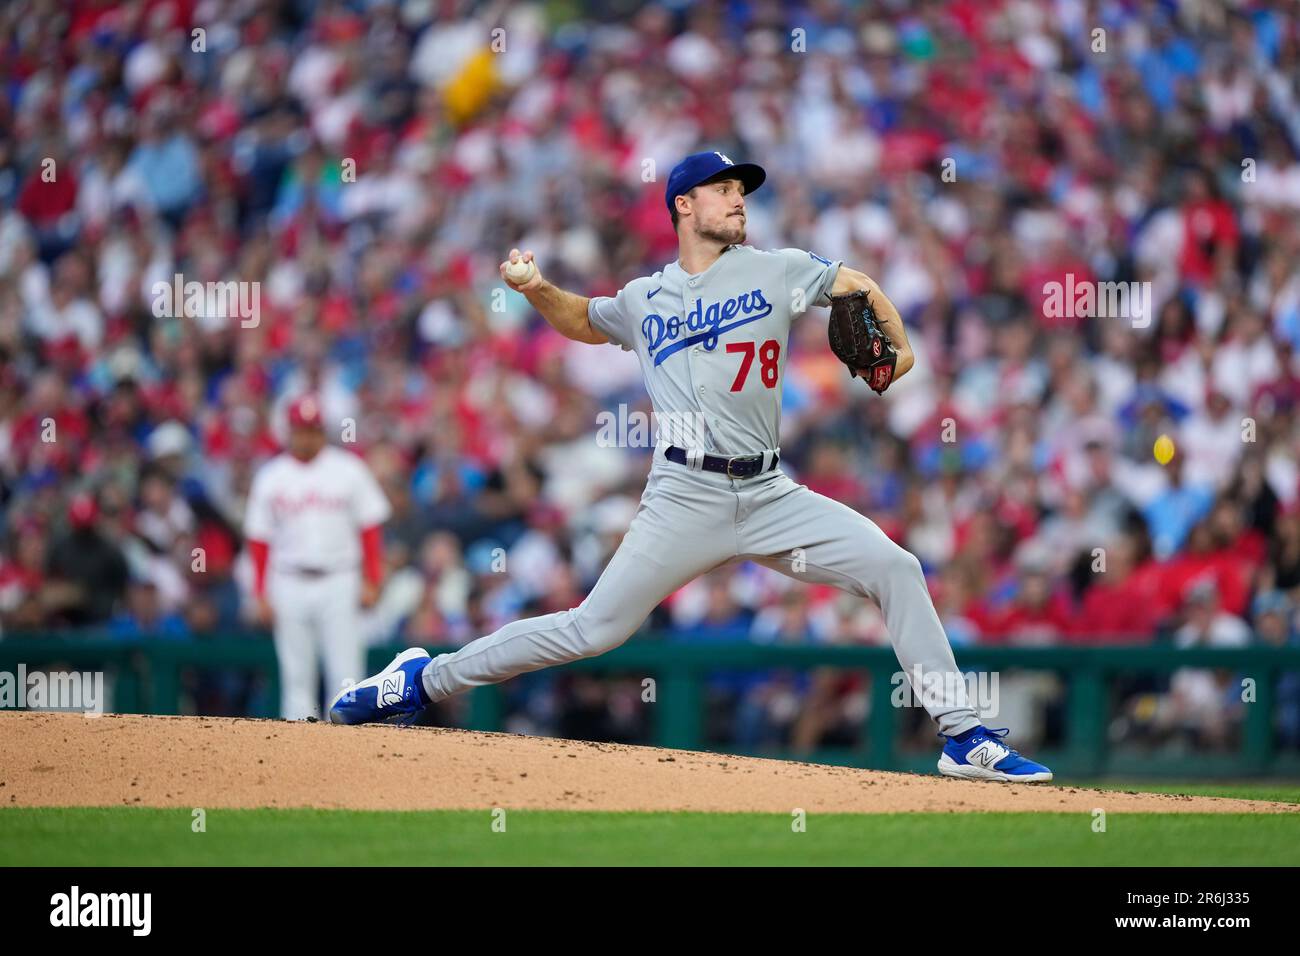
<point>134,836</point>
<point>1282,791</point>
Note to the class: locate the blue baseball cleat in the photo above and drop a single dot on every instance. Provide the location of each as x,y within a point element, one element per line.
<point>980,754</point>
<point>394,695</point>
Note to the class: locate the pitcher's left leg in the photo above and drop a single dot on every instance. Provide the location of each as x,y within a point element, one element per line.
<point>810,537</point>
<point>836,545</point>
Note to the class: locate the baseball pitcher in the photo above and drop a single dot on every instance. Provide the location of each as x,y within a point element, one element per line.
<point>710,331</point>
<point>313,528</point>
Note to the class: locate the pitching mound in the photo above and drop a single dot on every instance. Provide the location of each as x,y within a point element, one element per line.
<point>70,760</point>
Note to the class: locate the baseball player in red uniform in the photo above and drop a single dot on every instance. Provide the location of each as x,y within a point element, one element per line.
<point>313,527</point>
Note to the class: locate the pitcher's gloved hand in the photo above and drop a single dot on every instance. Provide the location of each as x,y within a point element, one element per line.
<point>858,340</point>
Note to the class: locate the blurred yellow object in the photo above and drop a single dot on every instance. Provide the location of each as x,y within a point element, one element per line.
<point>1145,707</point>
<point>471,88</point>
<point>1164,449</point>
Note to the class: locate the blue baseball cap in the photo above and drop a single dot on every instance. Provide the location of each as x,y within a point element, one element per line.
<point>701,167</point>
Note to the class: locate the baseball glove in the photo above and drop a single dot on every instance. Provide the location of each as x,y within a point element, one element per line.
<point>859,342</point>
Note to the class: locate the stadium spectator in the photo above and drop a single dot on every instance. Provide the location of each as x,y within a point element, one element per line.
<point>87,572</point>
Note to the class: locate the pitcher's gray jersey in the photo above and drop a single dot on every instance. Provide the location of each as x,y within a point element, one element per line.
<point>713,346</point>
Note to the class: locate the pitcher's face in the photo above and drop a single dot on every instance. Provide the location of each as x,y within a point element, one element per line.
<point>718,211</point>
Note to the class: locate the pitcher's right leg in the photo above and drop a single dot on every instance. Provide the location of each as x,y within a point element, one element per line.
<point>682,529</point>
<point>631,586</point>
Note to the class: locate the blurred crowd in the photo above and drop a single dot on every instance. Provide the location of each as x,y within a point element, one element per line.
<point>369,163</point>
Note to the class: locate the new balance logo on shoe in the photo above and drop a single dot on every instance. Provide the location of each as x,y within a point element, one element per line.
<point>986,754</point>
<point>391,691</point>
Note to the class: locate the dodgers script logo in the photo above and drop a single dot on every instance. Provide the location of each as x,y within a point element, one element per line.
<point>703,325</point>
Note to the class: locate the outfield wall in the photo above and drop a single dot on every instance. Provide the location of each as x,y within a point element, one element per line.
<point>145,677</point>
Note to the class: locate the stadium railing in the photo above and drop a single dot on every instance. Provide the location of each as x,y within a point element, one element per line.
<point>146,677</point>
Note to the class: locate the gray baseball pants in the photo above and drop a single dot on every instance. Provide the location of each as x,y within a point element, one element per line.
<point>690,522</point>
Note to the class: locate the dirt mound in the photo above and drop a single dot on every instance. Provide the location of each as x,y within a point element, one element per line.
<point>69,760</point>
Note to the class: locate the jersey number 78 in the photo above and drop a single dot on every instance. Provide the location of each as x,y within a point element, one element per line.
<point>769,354</point>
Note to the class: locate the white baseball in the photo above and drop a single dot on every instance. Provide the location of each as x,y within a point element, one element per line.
<point>520,272</point>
